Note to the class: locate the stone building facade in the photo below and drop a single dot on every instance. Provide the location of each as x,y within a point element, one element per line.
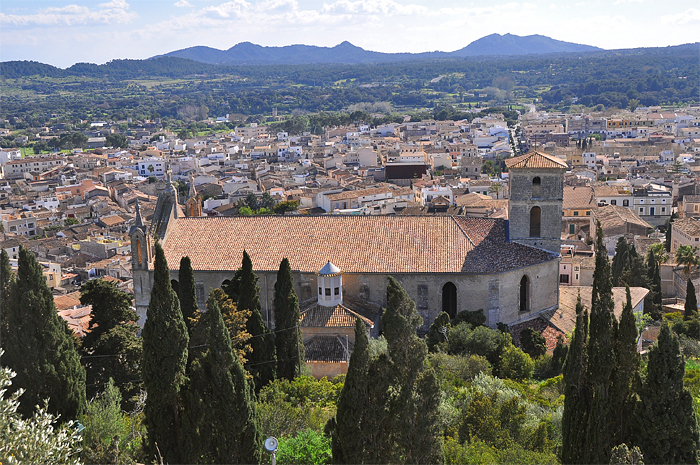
<point>536,186</point>
<point>445,263</point>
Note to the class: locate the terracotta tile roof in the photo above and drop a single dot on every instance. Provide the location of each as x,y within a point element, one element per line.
<point>67,301</point>
<point>536,160</point>
<point>327,349</point>
<point>356,244</point>
<point>688,226</point>
<point>564,318</point>
<point>578,197</point>
<point>612,216</point>
<point>339,316</point>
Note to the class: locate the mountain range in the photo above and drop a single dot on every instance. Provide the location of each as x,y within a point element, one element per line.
<point>345,52</point>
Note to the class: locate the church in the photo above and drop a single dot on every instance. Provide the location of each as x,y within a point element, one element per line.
<point>507,268</point>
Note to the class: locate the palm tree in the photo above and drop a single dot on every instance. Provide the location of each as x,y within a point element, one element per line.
<point>659,252</point>
<point>687,255</point>
<point>495,187</point>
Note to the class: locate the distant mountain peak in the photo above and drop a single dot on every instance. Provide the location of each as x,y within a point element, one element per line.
<point>346,52</point>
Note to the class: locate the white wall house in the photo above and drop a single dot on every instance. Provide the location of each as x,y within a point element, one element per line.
<point>153,166</point>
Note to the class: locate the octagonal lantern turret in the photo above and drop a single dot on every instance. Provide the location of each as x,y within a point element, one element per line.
<point>330,285</point>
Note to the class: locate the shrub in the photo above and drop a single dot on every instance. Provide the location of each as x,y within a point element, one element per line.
<point>516,364</point>
<point>475,318</point>
<point>461,367</point>
<point>306,448</point>
<point>533,343</point>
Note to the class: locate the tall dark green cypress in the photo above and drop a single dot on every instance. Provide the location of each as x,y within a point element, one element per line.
<point>620,260</point>
<point>666,429</point>
<point>626,371</point>
<point>601,358</point>
<point>7,280</point>
<point>653,301</point>
<point>165,341</point>
<point>288,337</point>
<point>347,437</point>
<point>262,363</point>
<point>188,292</point>
<point>691,301</point>
<point>576,392</point>
<point>414,409</point>
<point>221,424</point>
<point>40,347</point>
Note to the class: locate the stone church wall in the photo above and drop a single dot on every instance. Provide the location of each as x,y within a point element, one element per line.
<point>497,294</point>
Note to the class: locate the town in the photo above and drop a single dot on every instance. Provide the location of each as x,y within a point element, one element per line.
<point>454,262</point>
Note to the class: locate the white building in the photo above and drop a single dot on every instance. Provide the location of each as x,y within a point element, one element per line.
<point>153,166</point>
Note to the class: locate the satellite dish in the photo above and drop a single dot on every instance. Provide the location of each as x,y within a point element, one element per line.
<point>271,444</point>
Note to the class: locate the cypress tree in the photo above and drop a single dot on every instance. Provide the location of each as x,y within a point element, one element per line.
<point>576,393</point>
<point>626,370</point>
<point>601,358</point>
<point>221,426</point>
<point>348,430</point>
<point>7,280</point>
<point>165,341</point>
<point>414,409</point>
<point>262,363</point>
<point>653,301</point>
<point>620,260</point>
<point>288,337</point>
<point>188,293</point>
<point>666,428</point>
<point>691,301</point>
<point>40,347</point>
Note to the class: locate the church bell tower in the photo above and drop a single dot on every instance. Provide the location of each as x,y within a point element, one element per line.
<point>536,187</point>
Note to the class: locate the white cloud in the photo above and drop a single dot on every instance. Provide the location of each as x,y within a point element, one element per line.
<point>385,7</point>
<point>114,11</point>
<point>182,4</point>
<point>691,16</point>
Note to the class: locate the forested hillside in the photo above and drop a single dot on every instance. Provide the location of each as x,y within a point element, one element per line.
<point>173,86</point>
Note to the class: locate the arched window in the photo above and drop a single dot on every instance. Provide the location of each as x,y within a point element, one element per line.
<point>524,294</point>
<point>138,250</point>
<point>535,218</point>
<point>536,187</point>
<point>449,299</point>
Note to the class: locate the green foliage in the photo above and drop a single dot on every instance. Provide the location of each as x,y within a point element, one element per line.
<point>262,364</point>
<point>110,436</point>
<point>437,334</point>
<point>622,455</point>
<point>308,447</point>
<point>112,330</point>
<point>475,318</point>
<point>666,428</point>
<point>481,340</point>
<point>165,341</point>
<point>458,367</point>
<point>576,401</point>
<point>347,429</point>
<point>37,439</point>
<point>70,221</point>
<point>220,424</point>
<point>533,343</point>
<point>286,206</point>
<point>187,290</point>
<point>39,346</point>
<point>515,364</point>
<point>286,408</point>
<point>691,302</point>
<point>288,337</point>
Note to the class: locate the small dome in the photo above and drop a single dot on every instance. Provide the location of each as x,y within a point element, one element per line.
<point>329,269</point>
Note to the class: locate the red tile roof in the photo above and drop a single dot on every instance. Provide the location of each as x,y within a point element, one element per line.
<point>339,316</point>
<point>536,160</point>
<point>356,244</point>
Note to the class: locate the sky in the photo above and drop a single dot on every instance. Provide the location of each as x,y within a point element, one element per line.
<point>64,32</point>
